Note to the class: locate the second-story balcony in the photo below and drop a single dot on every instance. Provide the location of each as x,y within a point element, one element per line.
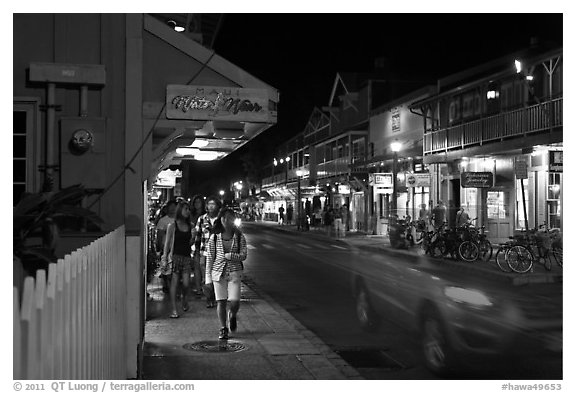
<point>517,123</point>
<point>339,166</point>
<point>284,177</point>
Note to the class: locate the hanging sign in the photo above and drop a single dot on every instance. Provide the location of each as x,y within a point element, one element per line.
<point>217,103</point>
<point>555,161</point>
<point>395,119</point>
<point>418,180</point>
<point>476,179</point>
<point>521,169</point>
<point>382,180</point>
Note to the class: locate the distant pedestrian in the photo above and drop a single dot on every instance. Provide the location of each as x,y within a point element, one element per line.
<point>328,219</point>
<point>338,229</point>
<point>439,215</point>
<point>198,209</point>
<point>462,217</point>
<point>177,255</point>
<point>204,227</point>
<point>281,215</point>
<point>345,214</point>
<point>289,214</point>
<point>226,251</point>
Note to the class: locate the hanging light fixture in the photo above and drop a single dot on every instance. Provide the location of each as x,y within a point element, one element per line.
<point>172,23</point>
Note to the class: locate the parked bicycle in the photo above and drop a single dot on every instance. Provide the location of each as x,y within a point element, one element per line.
<point>534,244</point>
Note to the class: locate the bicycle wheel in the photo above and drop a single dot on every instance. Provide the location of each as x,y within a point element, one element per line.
<point>501,259</point>
<point>519,259</point>
<point>468,251</point>
<point>485,250</point>
<point>557,255</point>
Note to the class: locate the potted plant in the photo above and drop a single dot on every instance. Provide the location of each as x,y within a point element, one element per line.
<point>35,232</point>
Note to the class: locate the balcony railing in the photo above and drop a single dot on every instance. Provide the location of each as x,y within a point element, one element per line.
<point>272,181</point>
<point>521,122</point>
<point>281,177</point>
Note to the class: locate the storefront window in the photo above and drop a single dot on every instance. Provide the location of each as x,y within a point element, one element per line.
<point>496,204</point>
<point>554,211</point>
<point>421,197</point>
<point>520,221</point>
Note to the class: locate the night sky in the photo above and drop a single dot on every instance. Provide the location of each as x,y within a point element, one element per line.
<point>300,54</point>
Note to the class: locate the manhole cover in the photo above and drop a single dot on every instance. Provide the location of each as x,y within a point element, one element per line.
<point>216,346</point>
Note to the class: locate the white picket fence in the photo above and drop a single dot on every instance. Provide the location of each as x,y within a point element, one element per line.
<point>72,324</point>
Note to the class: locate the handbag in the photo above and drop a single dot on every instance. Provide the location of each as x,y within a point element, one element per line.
<point>208,290</point>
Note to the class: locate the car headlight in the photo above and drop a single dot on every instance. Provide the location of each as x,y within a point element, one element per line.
<point>468,296</point>
<point>237,221</point>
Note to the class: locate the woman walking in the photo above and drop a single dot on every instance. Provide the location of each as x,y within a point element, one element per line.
<point>226,251</point>
<point>177,254</point>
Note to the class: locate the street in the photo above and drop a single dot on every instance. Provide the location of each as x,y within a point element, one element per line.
<point>311,278</point>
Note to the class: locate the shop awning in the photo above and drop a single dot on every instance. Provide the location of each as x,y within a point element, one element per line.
<point>196,99</point>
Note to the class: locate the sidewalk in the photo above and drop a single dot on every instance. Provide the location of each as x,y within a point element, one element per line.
<point>268,345</point>
<point>381,244</point>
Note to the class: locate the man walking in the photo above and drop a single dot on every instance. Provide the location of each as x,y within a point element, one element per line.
<point>204,227</point>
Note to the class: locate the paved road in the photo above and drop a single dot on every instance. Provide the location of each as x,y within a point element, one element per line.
<point>311,279</point>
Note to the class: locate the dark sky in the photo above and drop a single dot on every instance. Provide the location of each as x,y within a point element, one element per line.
<point>300,54</point>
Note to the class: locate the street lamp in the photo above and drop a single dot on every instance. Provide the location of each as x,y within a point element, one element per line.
<point>395,147</point>
<point>299,174</point>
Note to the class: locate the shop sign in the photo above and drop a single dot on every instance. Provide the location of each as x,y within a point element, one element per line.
<point>476,179</point>
<point>555,160</point>
<point>166,178</point>
<point>217,103</point>
<point>418,180</point>
<point>381,179</point>
<point>395,119</point>
<point>343,189</point>
<point>521,169</point>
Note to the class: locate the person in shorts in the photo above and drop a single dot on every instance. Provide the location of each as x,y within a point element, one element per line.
<point>176,256</point>
<point>224,265</point>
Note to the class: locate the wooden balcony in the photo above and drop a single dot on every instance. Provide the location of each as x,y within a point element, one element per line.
<point>521,122</point>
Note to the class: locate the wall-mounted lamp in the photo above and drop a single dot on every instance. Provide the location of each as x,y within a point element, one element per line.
<point>492,94</point>
<point>175,26</point>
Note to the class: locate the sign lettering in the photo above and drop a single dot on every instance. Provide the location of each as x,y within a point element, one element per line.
<point>555,161</point>
<point>476,179</point>
<point>218,103</point>
<point>521,169</point>
<point>395,119</point>
<point>381,179</point>
<point>418,180</point>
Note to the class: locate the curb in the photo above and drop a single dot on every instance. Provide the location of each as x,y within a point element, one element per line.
<point>328,365</point>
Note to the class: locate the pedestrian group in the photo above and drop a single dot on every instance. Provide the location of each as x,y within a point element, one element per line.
<point>202,238</point>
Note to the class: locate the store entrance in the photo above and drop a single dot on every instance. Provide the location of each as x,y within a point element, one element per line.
<point>498,213</point>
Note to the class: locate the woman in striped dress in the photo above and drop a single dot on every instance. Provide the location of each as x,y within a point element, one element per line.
<point>226,252</point>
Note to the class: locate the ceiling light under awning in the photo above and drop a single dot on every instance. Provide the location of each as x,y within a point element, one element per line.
<point>200,155</point>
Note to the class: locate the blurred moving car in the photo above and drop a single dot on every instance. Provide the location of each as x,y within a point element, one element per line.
<point>458,314</point>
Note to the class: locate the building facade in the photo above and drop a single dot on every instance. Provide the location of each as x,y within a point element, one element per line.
<point>493,140</point>
<point>90,107</point>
